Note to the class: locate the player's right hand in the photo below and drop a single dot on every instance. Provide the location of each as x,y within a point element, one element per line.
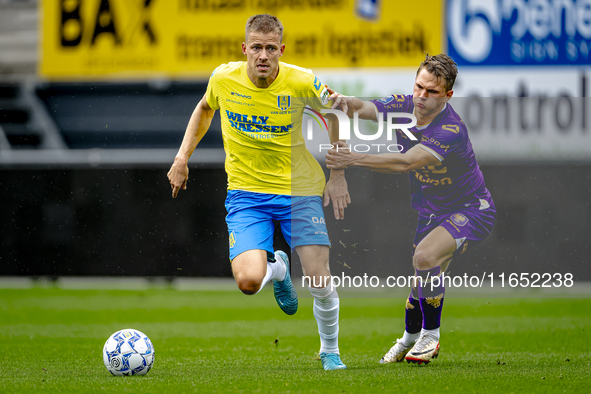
<point>178,176</point>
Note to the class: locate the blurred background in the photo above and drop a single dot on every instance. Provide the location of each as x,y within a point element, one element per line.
<point>95,96</point>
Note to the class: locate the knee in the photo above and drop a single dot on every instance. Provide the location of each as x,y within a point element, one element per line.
<point>318,281</point>
<point>317,276</point>
<point>314,259</point>
<point>248,284</point>
<point>423,260</point>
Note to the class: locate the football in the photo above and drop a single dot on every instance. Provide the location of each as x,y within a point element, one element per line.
<point>128,352</point>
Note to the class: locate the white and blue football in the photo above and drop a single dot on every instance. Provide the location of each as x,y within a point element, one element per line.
<point>128,352</point>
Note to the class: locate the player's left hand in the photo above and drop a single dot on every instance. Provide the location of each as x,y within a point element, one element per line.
<point>338,100</point>
<point>337,191</point>
<point>339,157</point>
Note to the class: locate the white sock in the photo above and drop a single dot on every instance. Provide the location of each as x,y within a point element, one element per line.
<point>279,269</point>
<point>434,332</point>
<point>275,271</point>
<point>409,339</point>
<point>326,312</point>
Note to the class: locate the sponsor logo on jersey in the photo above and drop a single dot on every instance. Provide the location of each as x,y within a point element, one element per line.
<point>240,95</point>
<point>254,124</point>
<point>435,142</point>
<point>324,96</point>
<point>425,177</point>
<point>284,102</point>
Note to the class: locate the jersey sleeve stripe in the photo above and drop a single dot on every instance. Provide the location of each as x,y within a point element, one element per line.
<point>432,152</point>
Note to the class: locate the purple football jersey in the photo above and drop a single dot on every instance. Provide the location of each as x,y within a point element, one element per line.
<point>454,184</point>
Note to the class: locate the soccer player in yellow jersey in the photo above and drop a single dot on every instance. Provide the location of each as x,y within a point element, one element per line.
<point>271,175</point>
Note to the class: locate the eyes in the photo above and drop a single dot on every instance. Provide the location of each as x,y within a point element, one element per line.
<point>430,91</point>
<point>260,48</point>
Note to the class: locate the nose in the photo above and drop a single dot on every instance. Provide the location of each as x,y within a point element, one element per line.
<point>263,55</point>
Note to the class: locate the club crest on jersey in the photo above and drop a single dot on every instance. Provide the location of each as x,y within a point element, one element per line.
<point>459,219</point>
<point>283,102</point>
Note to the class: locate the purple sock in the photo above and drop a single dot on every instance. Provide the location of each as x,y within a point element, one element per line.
<point>414,316</point>
<point>431,299</point>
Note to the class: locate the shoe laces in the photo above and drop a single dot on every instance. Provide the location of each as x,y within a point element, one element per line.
<point>397,348</point>
<point>333,357</point>
<point>424,340</point>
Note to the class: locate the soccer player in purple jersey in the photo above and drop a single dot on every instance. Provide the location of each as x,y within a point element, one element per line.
<point>456,211</point>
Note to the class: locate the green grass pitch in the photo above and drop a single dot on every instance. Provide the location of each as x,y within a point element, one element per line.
<point>222,341</point>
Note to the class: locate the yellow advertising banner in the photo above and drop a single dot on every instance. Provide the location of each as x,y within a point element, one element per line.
<point>96,39</point>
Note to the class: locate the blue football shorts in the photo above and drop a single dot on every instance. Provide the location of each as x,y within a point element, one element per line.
<point>251,221</point>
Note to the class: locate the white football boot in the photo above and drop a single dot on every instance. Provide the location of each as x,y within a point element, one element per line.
<point>396,353</point>
<point>425,349</point>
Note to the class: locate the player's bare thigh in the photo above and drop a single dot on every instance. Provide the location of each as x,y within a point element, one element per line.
<point>314,260</point>
<point>435,250</point>
<point>249,270</point>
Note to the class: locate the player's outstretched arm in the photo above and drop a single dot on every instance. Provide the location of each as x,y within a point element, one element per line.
<point>351,104</point>
<point>336,188</point>
<point>196,129</point>
<point>394,163</point>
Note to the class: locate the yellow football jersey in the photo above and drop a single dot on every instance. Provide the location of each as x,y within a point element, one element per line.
<point>261,129</point>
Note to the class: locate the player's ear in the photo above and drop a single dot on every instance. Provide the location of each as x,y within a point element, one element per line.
<point>449,94</point>
<point>244,48</point>
<point>281,50</point>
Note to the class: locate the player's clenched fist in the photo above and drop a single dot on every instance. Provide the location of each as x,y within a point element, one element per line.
<point>178,176</point>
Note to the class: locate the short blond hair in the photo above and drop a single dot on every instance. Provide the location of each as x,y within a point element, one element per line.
<point>264,23</point>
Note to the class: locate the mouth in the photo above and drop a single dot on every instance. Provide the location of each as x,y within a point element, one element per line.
<point>420,105</point>
<point>263,67</point>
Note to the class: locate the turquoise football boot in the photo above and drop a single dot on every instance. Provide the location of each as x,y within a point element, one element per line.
<point>331,361</point>
<point>285,292</point>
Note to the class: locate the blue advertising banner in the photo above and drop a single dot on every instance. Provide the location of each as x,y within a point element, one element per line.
<point>519,32</point>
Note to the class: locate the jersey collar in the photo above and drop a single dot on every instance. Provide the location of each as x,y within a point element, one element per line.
<point>278,82</point>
